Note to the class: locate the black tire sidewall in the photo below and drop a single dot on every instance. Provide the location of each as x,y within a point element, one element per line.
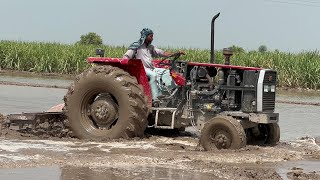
<point>274,134</point>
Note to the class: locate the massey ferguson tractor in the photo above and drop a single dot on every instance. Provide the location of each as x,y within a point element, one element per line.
<point>230,105</point>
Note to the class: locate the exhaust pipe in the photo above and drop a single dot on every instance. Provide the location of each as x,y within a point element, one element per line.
<point>212,38</point>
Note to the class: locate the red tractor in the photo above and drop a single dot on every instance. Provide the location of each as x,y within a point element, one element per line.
<point>230,105</point>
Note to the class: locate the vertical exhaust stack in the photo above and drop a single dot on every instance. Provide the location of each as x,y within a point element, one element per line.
<point>212,38</point>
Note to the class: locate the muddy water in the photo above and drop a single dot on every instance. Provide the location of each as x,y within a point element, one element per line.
<point>143,172</point>
<point>298,120</point>
<point>85,173</point>
<point>298,166</point>
<point>17,99</point>
<point>48,173</point>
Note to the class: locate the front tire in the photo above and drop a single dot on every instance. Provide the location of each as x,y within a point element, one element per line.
<point>274,136</point>
<point>105,102</point>
<point>222,132</point>
<point>264,134</point>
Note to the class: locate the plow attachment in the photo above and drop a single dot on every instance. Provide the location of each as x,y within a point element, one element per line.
<point>40,124</point>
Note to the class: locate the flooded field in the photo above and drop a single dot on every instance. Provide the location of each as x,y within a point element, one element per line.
<point>155,157</point>
<point>296,120</point>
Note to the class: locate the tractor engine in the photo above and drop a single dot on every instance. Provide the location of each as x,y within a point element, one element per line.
<point>213,91</point>
<point>204,94</point>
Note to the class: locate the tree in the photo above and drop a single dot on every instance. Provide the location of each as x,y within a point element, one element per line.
<point>262,48</point>
<point>90,38</point>
<point>237,49</point>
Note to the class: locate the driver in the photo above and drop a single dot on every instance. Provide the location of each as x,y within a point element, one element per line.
<point>144,50</point>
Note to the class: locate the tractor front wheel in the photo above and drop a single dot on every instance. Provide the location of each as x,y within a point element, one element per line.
<point>264,134</point>
<point>222,133</point>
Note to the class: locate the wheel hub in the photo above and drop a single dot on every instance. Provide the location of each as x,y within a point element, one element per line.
<point>104,112</point>
<point>222,140</point>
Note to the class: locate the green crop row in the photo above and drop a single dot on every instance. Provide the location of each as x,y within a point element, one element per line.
<point>294,69</point>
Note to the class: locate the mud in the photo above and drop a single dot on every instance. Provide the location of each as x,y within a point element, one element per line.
<point>1,117</point>
<point>178,156</point>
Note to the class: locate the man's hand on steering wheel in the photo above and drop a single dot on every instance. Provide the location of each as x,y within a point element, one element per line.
<point>175,55</point>
<point>169,55</point>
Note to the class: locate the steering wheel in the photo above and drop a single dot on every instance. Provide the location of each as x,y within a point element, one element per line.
<point>171,62</point>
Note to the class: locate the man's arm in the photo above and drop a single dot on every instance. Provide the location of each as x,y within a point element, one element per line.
<point>161,53</point>
<point>129,54</point>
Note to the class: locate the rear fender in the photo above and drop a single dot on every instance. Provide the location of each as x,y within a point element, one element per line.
<point>133,66</point>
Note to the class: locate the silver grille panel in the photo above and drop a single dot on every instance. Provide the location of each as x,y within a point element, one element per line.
<point>268,98</point>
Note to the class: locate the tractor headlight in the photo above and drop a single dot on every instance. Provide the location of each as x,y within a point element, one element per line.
<point>273,88</point>
<point>269,88</point>
<point>265,88</point>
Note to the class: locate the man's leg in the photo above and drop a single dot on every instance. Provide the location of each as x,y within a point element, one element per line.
<point>153,83</point>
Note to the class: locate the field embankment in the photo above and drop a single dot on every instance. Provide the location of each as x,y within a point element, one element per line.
<point>294,69</point>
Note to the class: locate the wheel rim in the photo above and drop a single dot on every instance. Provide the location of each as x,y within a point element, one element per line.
<point>221,139</point>
<point>104,112</point>
<point>99,112</point>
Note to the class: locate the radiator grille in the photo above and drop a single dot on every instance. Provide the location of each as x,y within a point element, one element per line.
<point>268,98</point>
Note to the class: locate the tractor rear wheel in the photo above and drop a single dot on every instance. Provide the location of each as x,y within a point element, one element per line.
<point>105,102</point>
<point>222,132</point>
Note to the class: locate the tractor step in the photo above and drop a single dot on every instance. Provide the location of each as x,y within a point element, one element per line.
<point>158,110</point>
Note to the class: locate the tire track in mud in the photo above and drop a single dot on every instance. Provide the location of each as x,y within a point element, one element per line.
<point>66,87</point>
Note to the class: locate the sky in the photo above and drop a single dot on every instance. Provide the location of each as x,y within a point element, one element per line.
<point>286,25</point>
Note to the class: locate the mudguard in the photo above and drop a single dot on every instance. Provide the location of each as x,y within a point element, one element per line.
<point>133,66</point>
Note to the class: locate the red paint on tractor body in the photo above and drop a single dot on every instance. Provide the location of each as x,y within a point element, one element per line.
<point>224,66</point>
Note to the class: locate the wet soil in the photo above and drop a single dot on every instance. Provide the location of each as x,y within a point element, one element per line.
<point>175,152</point>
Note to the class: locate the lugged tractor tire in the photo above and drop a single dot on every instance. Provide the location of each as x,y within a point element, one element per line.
<point>222,132</point>
<point>274,134</point>
<point>264,134</point>
<point>128,103</point>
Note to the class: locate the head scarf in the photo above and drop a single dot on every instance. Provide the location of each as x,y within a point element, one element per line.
<point>144,34</point>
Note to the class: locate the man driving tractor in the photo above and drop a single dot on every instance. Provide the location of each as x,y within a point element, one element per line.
<point>144,50</point>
